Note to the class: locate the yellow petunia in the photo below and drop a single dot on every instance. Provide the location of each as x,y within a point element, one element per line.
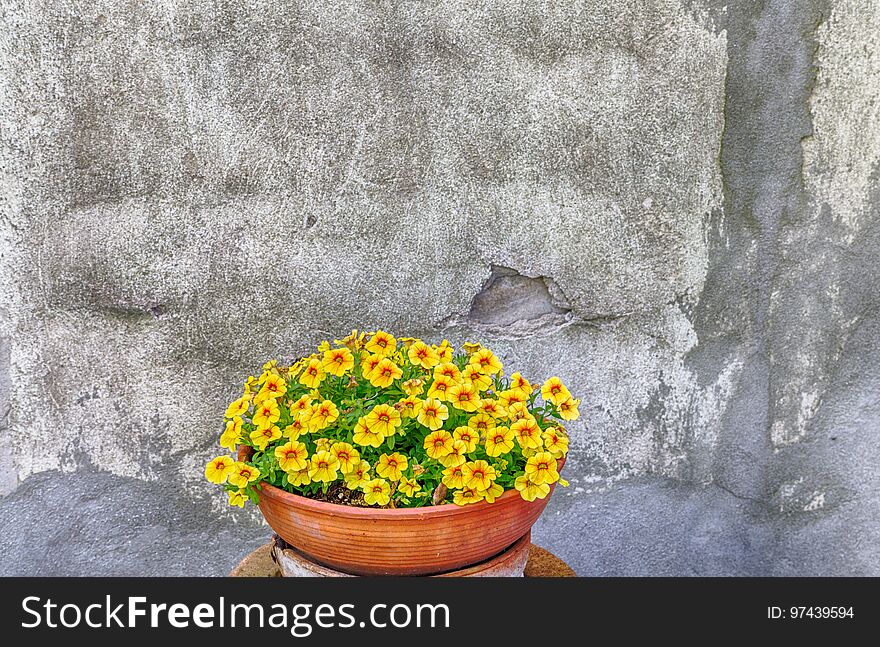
<point>413,387</point>
<point>297,428</point>
<point>323,467</point>
<point>468,436</point>
<point>382,343</point>
<point>267,414</point>
<point>486,362</point>
<point>250,384</point>
<point>359,474</point>
<point>385,373</point>
<point>541,468</point>
<point>383,419</point>
<point>433,413</point>
<point>347,456</point>
<point>263,436</point>
<point>472,374</point>
<point>448,370</point>
<point>568,409</point>
<point>518,411</point>
<point>292,456</point>
<point>242,474</point>
<point>521,384</point>
<point>492,492</point>
<point>530,491</point>
<point>365,436</point>
<point>438,444</point>
<point>376,492</point>
<point>409,407</point>
<point>323,444</point>
<point>274,387</point>
<point>444,351</point>
<point>420,354</point>
<point>322,416</point>
<point>555,442</point>
<point>231,436</point>
<point>553,390</point>
<point>471,347</point>
<point>466,496</point>
<point>219,469</point>
<point>456,456</point>
<point>440,388</point>
<point>391,466</point>
<point>493,408</point>
<point>303,405</point>
<point>239,407</point>
<point>453,477</point>
<point>337,361</point>
<point>312,375</point>
<point>478,475</point>
<point>511,397</point>
<point>237,498</point>
<point>408,486</point>
<point>369,363</point>
<point>499,441</point>
<point>299,478</point>
<point>464,396</point>
<point>482,423</point>
<point>527,433</point>
<point>354,341</point>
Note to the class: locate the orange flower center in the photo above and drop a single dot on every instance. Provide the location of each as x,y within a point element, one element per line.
<point>555,389</point>
<point>384,417</point>
<point>322,465</point>
<point>498,439</point>
<point>439,442</point>
<point>392,463</point>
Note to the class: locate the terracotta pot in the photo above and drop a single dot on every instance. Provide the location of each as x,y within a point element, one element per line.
<point>400,541</point>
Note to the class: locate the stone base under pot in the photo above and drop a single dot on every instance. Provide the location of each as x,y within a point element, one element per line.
<point>510,563</point>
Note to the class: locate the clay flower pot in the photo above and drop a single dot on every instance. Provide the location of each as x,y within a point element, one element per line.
<point>401,541</point>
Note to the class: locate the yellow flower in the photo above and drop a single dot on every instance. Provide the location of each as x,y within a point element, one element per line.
<point>521,384</point>
<point>313,375</point>
<point>406,342</point>
<point>517,411</point>
<point>408,486</point>
<point>232,435</point>
<point>347,456</point>
<point>385,373</point>
<point>499,441</point>
<point>453,477</point>
<point>472,374</point>
<point>323,346</point>
<point>265,435</point>
<point>510,397</point>
<point>359,475</point>
<point>468,436</point>
<point>297,428</point>
<point>527,433</point>
<point>410,406</point>
<point>440,388</point>
<point>485,361</point>
<point>448,370</point>
<point>299,478</point>
<point>391,466</point>
<point>270,365</point>
<point>555,442</point>
<point>438,444</point>
<point>322,416</point>
<point>242,474</point>
<point>444,351</point>
<point>323,467</point>
<point>354,341</point>
<point>493,492</point>
<point>376,492</point>
<point>303,405</point>
<point>456,456</point>
<point>337,361</point>
<point>568,409</point>
<point>482,424</point>
<point>420,354</point>
<point>274,387</point>
<point>464,396</point>
<point>382,344</point>
<point>493,408</point>
<point>237,498</point>
<point>219,469</point>
<point>369,364</point>
<point>267,414</point>
<point>239,407</point>
<point>250,384</point>
<point>323,444</point>
<point>530,491</point>
<point>366,436</point>
<point>292,456</point>
<point>466,496</point>
<point>433,414</point>
<point>383,419</point>
<point>471,347</point>
<point>553,390</point>
<point>413,387</point>
<point>478,475</point>
<point>541,468</point>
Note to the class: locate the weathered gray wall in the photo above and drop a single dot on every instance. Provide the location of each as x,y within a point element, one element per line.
<point>672,205</point>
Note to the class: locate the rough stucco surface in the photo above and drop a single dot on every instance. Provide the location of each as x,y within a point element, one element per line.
<point>673,206</point>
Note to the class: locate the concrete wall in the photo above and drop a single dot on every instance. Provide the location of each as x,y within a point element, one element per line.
<point>672,205</point>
